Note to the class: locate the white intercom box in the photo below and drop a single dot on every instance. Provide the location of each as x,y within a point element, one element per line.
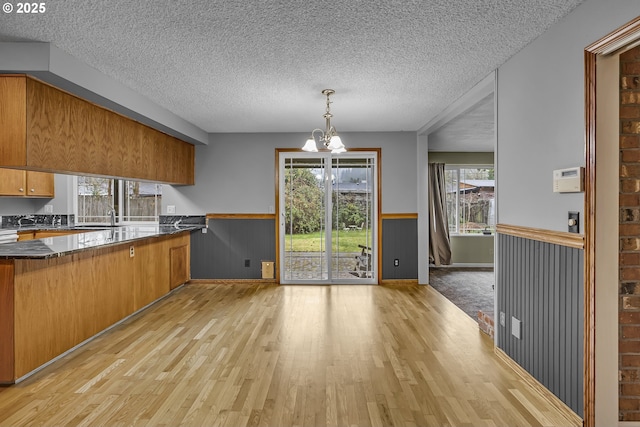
<point>570,180</point>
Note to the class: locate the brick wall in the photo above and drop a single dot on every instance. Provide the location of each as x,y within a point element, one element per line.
<point>629,276</point>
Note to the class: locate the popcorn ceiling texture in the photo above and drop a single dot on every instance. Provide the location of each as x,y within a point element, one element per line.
<point>259,66</point>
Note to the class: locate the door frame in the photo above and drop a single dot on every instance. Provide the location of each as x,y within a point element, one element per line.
<point>618,38</point>
<point>378,195</point>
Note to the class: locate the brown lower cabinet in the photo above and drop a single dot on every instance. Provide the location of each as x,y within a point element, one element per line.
<point>20,183</point>
<point>48,306</point>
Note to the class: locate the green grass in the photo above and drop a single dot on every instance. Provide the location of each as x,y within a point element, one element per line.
<point>348,241</point>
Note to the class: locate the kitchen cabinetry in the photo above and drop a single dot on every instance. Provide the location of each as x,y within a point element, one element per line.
<point>50,305</point>
<point>45,128</point>
<point>20,183</point>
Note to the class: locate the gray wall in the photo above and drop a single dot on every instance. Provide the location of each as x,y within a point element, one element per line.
<point>541,284</point>
<point>400,241</point>
<point>221,252</point>
<point>472,250</point>
<point>540,108</point>
<point>235,173</point>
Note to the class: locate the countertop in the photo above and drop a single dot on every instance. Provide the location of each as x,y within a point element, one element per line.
<point>93,238</point>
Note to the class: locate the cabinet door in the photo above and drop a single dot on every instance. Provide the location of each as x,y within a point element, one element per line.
<point>12,182</point>
<point>40,184</point>
<point>179,266</point>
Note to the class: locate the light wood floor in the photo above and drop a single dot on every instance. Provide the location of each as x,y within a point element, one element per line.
<point>261,355</point>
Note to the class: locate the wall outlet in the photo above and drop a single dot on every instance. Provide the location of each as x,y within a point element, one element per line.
<point>204,230</point>
<point>131,252</point>
<point>516,327</point>
<point>503,321</point>
<point>247,263</point>
<point>171,209</point>
<point>48,208</point>
<point>396,262</point>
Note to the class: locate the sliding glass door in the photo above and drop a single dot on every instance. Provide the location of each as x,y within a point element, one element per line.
<point>328,217</point>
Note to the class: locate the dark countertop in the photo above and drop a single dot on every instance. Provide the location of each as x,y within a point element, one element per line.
<point>93,238</point>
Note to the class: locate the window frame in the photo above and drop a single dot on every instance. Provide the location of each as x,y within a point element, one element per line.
<point>457,168</point>
<point>118,202</point>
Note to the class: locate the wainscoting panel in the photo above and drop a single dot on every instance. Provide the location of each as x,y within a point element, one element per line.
<point>399,241</point>
<point>541,285</point>
<point>223,251</point>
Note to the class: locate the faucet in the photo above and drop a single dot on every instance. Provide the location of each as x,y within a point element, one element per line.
<point>177,223</point>
<point>112,216</point>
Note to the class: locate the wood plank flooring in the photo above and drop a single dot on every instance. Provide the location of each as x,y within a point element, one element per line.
<point>266,355</point>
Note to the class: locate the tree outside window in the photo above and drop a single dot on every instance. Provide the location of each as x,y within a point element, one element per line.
<point>470,199</point>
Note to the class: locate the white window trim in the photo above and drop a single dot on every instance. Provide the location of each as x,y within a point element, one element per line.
<point>457,168</point>
<point>120,183</point>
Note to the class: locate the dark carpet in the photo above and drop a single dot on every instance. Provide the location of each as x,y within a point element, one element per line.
<point>471,289</point>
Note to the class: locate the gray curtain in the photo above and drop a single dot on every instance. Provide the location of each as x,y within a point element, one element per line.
<point>439,244</point>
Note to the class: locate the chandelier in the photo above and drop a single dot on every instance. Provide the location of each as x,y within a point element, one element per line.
<point>329,137</point>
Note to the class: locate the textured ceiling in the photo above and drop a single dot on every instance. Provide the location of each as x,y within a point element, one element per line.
<point>259,66</point>
<point>474,130</point>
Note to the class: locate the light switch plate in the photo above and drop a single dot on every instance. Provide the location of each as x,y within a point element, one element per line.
<point>574,222</point>
<point>48,208</point>
<point>171,209</point>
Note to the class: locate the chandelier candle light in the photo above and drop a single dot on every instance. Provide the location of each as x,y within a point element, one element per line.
<point>329,137</point>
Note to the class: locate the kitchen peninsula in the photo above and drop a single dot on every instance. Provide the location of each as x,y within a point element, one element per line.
<point>58,292</point>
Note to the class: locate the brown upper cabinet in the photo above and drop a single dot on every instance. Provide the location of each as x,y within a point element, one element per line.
<point>19,183</point>
<point>47,129</point>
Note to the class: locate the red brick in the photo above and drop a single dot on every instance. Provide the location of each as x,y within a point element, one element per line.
<point>630,126</point>
<point>629,416</point>
<point>628,259</point>
<point>630,55</point>
<point>630,155</point>
<point>629,170</point>
<point>629,98</point>
<point>631,67</point>
<point>629,186</point>
<point>629,199</point>
<point>630,318</point>
<point>630,273</point>
<point>630,112</point>
<point>629,347</point>
<point>629,230</point>
<point>630,332</point>
<point>630,244</point>
<point>629,141</point>
<point>629,288</point>
<point>630,389</point>
<point>631,303</point>
<point>629,404</point>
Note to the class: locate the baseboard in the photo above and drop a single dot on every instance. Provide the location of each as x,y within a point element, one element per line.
<point>398,282</point>
<point>465,265</point>
<point>235,281</point>
<point>553,400</point>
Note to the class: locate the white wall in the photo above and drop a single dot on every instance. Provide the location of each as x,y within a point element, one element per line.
<point>235,173</point>
<point>540,127</point>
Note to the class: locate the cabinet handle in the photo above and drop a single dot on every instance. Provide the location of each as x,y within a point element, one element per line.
<point>21,190</point>
<point>33,190</point>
